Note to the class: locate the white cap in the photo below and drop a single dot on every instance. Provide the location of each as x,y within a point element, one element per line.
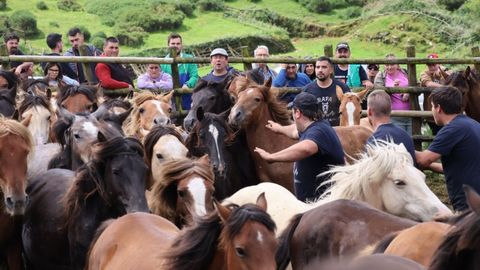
<point>219,51</point>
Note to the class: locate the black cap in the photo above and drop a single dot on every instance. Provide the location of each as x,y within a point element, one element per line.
<point>373,66</point>
<point>343,45</point>
<point>305,102</point>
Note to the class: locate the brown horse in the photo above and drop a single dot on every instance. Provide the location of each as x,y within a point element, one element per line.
<point>337,230</point>
<point>183,189</point>
<point>149,110</point>
<point>417,243</point>
<point>255,106</point>
<point>468,82</point>
<point>78,99</point>
<point>15,145</point>
<point>351,107</point>
<point>230,238</point>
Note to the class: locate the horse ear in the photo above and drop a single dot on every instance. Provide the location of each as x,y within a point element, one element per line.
<point>473,199</point>
<point>129,95</point>
<point>64,113</point>
<point>101,137</point>
<point>362,94</point>
<point>262,201</point>
<point>222,211</point>
<point>204,159</point>
<point>466,74</point>
<point>200,113</point>
<point>49,93</point>
<point>168,97</point>
<point>26,122</point>
<point>123,116</point>
<point>268,83</point>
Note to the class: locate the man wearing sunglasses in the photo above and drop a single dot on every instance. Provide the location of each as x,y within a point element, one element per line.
<point>353,75</point>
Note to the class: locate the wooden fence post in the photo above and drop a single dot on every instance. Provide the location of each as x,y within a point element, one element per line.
<point>87,71</point>
<point>246,66</point>
<point>175,75</point>
<point>4,52</point>
<point>328,50</point>
<point>476,53</point>
<point>414,105</point>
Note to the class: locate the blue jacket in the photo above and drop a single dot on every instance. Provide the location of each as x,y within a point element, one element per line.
<point>282,81</point>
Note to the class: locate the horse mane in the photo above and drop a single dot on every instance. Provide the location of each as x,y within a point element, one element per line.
<point>353,181</point>
<point>115,102</point>
<point>8,126</point>
<point>132,123</point>
<point>195,247</point>
<point>277,108</point>
<point>33,100</point>
<point>89,182</point>
<point>156,133</point>
<point>459,245</point>
<point>89,91</point>
<point>164,191</point>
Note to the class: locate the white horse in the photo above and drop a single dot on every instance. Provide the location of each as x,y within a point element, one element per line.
<point>384,177</point>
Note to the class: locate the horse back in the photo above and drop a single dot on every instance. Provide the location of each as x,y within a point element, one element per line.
<point>353,140</point>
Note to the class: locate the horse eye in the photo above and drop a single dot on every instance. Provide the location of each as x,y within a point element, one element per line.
<point>399,183</point>
<point>211,98</point>
<point>76,136</point>
<point>89,107</point>
<point>159,156</point>
<point>49,117</point>
<point>257,99</point>
<point>181,193</point>
<point>116,171</point>
<point>142,110</point>
<point>240,252</point>
<point>169,110</point>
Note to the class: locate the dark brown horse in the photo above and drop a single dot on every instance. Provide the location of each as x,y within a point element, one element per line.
<point>468,82</point>
<point>338,230</point>
<point>66,209</point>
<point>212,136</point>
<point>15,145</point>
<point>255,106</point>
<point>7,102</point>
<point>460,249</point>
<point>231,238</point>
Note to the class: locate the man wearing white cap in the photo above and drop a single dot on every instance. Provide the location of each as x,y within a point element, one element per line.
<point>219,61</point>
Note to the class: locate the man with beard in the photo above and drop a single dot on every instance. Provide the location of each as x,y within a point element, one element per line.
<point>327,90</point>
<point>220,71</point>
<point>111,75</point>
<point>289,77</point>
<point>76,38</point>
<point>55,43</point>
<point>353,75</point>
<point>21,69</point>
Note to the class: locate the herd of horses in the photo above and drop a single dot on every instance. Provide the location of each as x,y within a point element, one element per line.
<point>90,182</point>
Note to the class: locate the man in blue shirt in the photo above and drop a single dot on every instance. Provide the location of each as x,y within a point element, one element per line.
<point>318,147</point>
<point>289,77</point>
<point>220,71</point>
<point>379,108</point>
<point>457,144</point>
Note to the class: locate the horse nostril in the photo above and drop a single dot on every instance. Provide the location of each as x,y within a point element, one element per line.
<point>155,121</point>
<point>9,202</point>
<point>238,115</point>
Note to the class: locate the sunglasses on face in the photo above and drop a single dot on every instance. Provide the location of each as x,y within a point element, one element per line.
<point>373,68</point>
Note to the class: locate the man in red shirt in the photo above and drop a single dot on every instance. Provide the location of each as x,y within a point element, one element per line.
<point>111,75</point>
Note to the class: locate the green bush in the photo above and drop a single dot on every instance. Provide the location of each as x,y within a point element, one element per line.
<point>42,5</point>
<point>97,42</point>
<point>130,35</point>
<point>4,24</point>
<point>452,4</point>
<point>319,6</point>
<point>25,21</point>
<point>167,18</point>
<point>3,4</point>
<point>254,1</point>
<point>187,7</point>
<point>351,12</point>
<point>54,24</point>
<point>69,5</point>
<point>211,5</point>
<point>99,34</point>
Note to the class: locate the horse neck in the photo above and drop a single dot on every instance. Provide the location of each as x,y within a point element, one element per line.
<point>218,261</point>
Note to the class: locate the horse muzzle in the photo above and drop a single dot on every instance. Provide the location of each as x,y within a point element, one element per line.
<point>16,205</point>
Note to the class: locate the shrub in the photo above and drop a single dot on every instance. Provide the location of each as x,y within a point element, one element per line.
<point>25,21</point>
<point>69,5</point>
<point>4,24</point>
<point>211,5</point>
<point>130,35</point>
<point>86,33</point>
<point>351,12</point>
<point>53,24</point>
<point>42,5</point>
<point>99,34</point>
<point>165,18</point>
<point>186,7</point>
<point>451,4</point>
<point>254,1</point>
<point>97,42</point>
<point>3,4</point>
<point>319,6</point>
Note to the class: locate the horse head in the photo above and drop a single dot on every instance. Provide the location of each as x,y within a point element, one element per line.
<point>41,117</point>
<point>15,145</point>
<point>7,101</point>
<point>212,96</point>
<point>351,108</point>
<point>78,99</point>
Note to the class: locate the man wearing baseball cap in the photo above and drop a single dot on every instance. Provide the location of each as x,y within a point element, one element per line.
<point>318,147</point>
<point>353,75</point>
<point>219,61</point>
<point>434,76</point>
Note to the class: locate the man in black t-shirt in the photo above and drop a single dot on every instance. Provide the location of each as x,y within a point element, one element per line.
<point>457,145</point>
<point>378,111</point>
<point>318,147</point>
<point>327,90</point>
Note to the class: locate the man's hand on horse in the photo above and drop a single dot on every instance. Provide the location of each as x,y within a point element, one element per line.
<point>275,127</point>
<point>264,154</point>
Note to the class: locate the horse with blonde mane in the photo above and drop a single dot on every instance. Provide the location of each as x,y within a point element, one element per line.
<point>384,177</point>
<point>183,189</point>
<point>15,144</point>
<point>149,109</point>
